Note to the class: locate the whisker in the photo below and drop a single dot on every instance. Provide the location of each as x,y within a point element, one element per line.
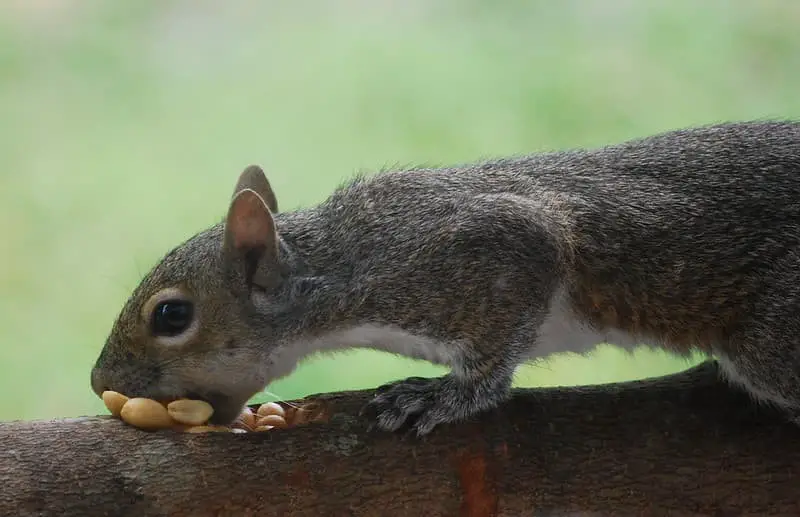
<point>138,266</point>
<point>278,397</point>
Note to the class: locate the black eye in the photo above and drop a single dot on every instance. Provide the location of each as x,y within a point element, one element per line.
<point>172,317</point>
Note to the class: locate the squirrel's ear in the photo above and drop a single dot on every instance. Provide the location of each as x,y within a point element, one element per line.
<point>253,178</point>
<point>250,232</point>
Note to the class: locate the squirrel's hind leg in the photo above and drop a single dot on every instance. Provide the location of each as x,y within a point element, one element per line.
<point>766,379</point>
<point>763,356</point>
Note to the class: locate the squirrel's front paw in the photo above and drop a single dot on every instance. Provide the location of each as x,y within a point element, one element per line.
<point>429,402</point>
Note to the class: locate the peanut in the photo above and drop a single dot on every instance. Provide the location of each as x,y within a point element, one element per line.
<point>145,414</point>
<point>114,402</point>
<point>301,416</point>
<point>272,421</point>
<point>246,420</point>
<point>190,412</point>
<point>271,408</point>
<point>192,416</point>
<point>309,412</point>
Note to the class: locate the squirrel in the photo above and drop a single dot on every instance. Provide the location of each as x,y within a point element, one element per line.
<point>685,240</point>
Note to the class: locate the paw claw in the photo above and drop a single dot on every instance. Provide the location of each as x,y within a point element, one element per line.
<point>391,420</point>
<point>424,403</point>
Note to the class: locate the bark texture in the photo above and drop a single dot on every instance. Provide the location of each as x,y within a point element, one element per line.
<point>684,445</point>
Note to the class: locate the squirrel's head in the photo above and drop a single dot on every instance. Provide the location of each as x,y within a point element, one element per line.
<point>196,326</point>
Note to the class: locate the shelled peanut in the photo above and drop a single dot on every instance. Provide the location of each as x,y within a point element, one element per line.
<point>193,416</point>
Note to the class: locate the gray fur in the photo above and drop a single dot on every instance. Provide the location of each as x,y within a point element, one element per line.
<point>687,240</point>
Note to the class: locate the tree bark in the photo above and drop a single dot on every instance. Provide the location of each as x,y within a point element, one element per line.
<point>684,444</point>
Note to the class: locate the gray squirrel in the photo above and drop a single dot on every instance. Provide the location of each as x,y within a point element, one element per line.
<point>687,240</point>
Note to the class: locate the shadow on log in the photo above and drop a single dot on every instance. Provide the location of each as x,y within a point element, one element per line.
<point>684,445</point>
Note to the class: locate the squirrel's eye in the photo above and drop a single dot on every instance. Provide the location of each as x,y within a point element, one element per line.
<point>172,317</point>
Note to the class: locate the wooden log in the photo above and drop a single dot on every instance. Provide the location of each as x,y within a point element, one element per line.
<point>684,445</point>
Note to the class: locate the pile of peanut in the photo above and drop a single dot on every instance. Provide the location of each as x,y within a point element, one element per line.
<point>192,415</point>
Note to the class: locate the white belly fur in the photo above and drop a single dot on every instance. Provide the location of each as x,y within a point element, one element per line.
<point>563,331</point>
<point>376,337</point>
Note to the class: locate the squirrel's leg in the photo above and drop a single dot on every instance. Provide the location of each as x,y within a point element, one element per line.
<point>440,400</point>
<point>520,239</point>
<point>768,376</point>
<point>476,384</point>
<point>763,357</point>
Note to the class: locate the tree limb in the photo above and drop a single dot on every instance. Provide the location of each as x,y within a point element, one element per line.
<point>683,444</point>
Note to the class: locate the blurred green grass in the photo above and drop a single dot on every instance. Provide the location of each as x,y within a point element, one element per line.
<point>123,126</point>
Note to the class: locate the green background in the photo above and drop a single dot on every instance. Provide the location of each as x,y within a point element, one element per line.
<point>123,127</point>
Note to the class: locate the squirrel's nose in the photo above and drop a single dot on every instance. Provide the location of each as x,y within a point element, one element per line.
<point>98,382</point>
